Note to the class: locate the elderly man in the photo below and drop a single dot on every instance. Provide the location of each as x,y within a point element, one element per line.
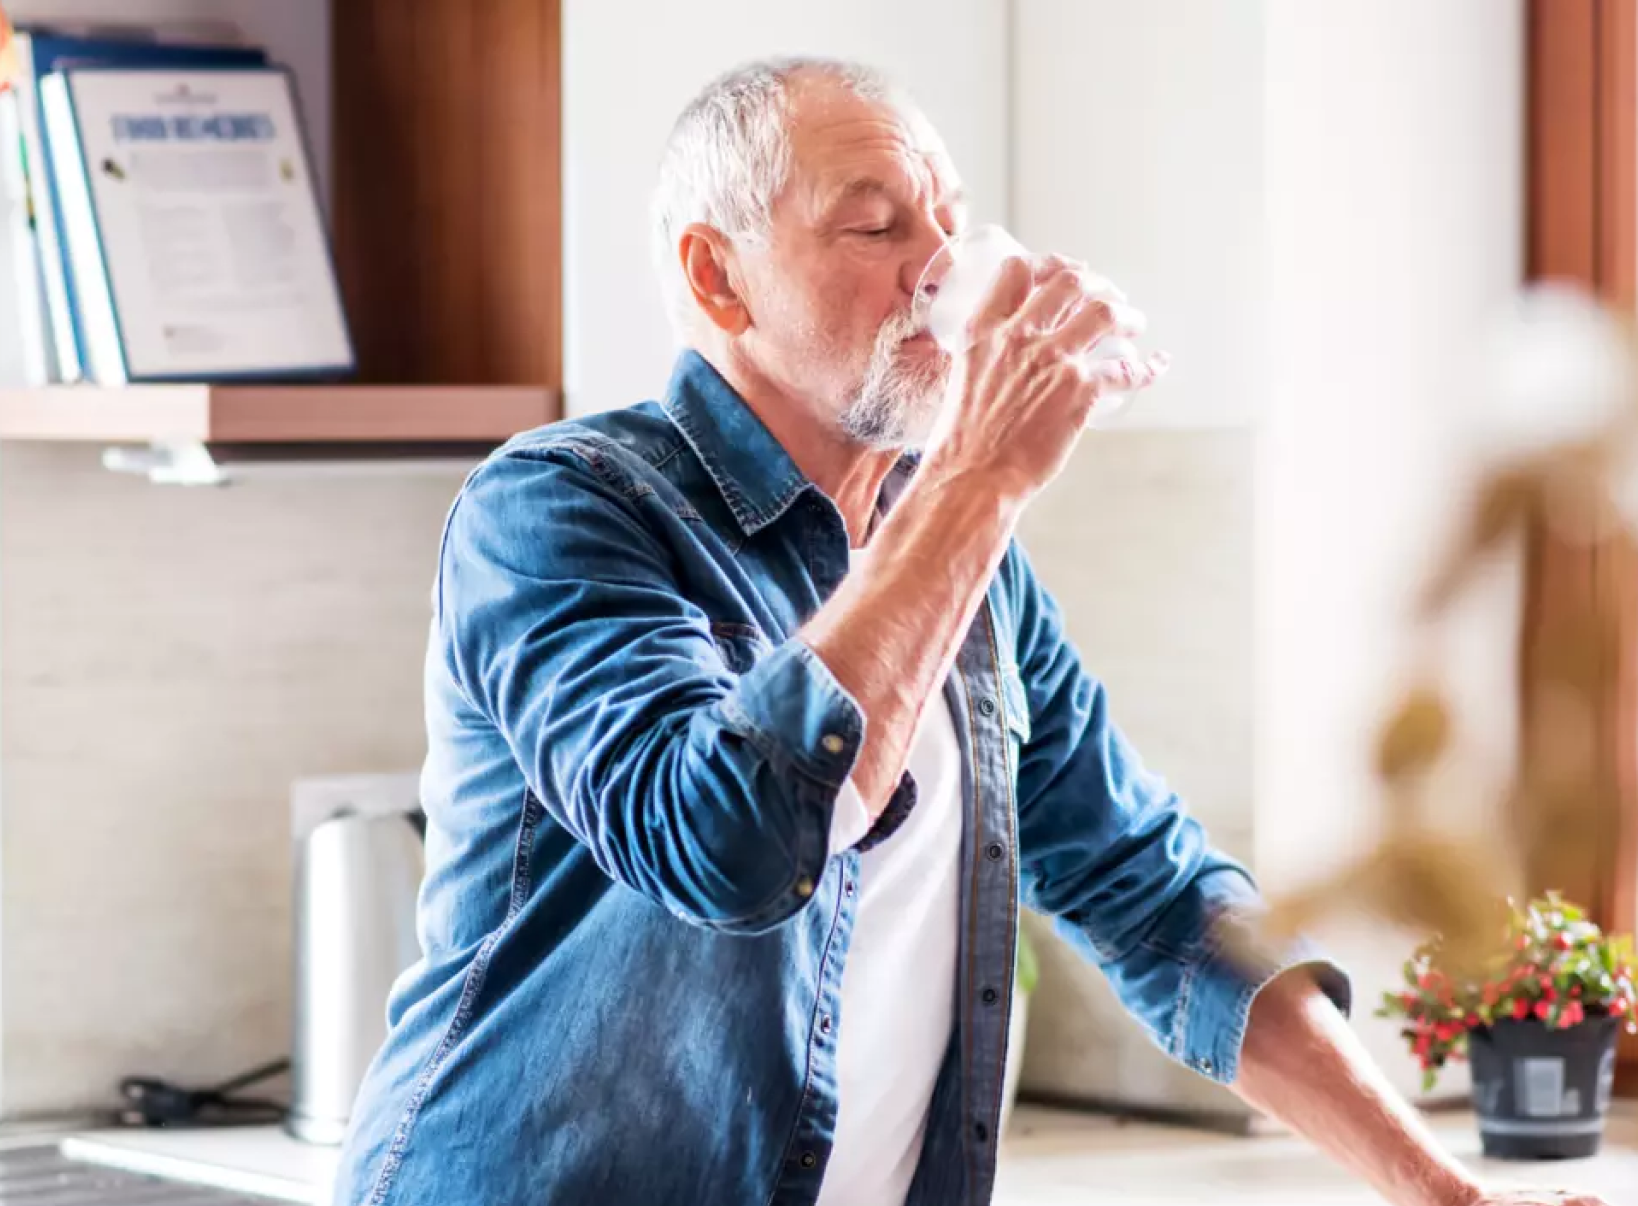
<point>750,726</point>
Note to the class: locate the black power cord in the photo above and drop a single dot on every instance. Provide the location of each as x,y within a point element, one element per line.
<point>158,1103</point>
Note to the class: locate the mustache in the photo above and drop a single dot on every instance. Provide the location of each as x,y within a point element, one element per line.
<point>897,329</point>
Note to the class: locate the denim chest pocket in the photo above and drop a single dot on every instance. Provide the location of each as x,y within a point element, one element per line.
<point>741,645</point>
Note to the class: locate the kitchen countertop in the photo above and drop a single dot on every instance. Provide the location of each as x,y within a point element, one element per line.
<point>1052,1158</point>
<point>1049,1158</point>
<point>245,1159</point>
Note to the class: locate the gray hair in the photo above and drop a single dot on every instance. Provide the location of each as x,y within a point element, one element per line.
<point>729,155</point>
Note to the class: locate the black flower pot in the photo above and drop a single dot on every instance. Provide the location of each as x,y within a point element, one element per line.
<point>1542,1094</point>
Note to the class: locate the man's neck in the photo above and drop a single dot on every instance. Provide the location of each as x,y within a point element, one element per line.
<point>849,474</point>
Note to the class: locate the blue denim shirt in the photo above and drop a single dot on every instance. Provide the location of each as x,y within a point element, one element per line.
<point>634,931</point>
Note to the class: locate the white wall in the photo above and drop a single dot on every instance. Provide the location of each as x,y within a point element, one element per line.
<point>1320,207</point>
<point>1394,143</point>
<point>1138,145</point>
<point>629,66</point>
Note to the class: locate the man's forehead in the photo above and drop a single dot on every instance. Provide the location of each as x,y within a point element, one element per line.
<point>851,144</point>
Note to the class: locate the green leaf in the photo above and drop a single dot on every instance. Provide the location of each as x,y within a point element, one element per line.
<point>1027,970</point>
<point>1430,1077</point>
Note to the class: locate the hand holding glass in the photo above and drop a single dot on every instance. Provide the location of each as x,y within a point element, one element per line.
<point>956,281</point>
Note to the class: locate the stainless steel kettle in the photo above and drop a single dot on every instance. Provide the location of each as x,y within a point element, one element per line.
<point>357,879</point>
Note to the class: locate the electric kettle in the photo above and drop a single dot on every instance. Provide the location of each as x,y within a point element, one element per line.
<point>357,879</point>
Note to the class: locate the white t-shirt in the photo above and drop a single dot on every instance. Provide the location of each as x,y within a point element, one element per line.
<point>898,986</point>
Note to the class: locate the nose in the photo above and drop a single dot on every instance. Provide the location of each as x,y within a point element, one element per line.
<point>927,266</point>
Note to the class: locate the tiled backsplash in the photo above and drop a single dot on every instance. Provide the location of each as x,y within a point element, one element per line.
<point>1146,541</point>
<point>170,661</point>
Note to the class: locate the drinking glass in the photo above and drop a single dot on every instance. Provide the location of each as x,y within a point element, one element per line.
<point>958,278</point>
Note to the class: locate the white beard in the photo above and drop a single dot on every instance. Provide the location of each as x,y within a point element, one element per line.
<point>896,406</point>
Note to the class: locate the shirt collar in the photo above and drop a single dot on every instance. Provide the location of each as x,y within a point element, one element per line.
<point>755,475</point>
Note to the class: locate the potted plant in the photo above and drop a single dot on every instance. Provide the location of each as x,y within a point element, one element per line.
<point>1538,1020</point>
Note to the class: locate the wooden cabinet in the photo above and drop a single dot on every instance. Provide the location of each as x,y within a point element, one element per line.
<point>444,123</point>
<point>447,160</point>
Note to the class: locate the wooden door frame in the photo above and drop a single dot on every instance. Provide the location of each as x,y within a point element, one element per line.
<point>1582,227</point>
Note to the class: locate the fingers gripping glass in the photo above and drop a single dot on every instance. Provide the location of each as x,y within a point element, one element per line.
<point>958,278</point>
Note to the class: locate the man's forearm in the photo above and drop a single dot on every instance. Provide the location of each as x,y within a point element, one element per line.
<point>891,631</point>
<point>1305,1067</point>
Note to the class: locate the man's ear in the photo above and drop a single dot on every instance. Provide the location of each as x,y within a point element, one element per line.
<point>708,267</point>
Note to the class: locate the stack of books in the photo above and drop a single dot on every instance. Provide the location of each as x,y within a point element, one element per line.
<point>159,218</point>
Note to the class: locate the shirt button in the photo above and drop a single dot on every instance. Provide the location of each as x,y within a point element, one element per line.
<point>987,706</point>
<point>995,852</point>
<point>809,1159</point>
<point>824,1024</point>
<point>1205,1066</point>
<point>850,887</point>
<point>990,996</point>
<point>833,744</point>
<point>804,887</point>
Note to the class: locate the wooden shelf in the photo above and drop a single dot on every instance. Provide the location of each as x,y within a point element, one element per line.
<point>398,415</point>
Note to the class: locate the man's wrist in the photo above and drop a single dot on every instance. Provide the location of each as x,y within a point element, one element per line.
<point>1452,1187</point>
<point>1432,1177</point>
<point>943,472</point>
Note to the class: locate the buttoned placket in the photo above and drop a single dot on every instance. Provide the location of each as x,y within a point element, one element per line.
<point>989,906</point>
<point>822,538</point>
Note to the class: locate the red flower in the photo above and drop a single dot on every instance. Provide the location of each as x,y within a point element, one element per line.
<point>1543,1008</point>
<point>1472,1021</point>
<point>1619,1006</point>
<point>1521,1009</point>
<point>1562,941</point>
<point>1572,1016</point>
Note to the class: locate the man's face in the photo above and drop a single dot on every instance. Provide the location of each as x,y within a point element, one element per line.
<point>870,199</point>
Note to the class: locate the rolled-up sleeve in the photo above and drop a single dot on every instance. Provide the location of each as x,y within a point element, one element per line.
<point>561,619</point>
<point>1112,854</point>
<point>1192,980</point>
